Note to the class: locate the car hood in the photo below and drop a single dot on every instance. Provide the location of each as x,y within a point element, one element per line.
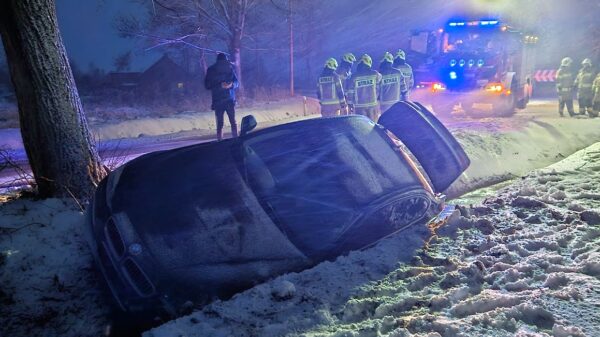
<point>190,206</point>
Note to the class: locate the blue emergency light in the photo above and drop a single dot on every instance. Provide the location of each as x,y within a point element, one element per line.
<point>486,23</point>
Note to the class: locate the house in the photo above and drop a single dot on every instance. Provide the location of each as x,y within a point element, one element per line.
<point>123,80</point>
<point>164,77</point>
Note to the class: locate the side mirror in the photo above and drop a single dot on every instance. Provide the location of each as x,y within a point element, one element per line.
<point>248,124</point>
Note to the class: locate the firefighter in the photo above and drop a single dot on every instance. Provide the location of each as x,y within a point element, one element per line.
<point>565,82</point>
<point>407,73</point>
<point>330,90</point>
<point>583,82</point>
<point>392,83</point>
<point>344,70</point>
<point>596,92</point>
<point>365,86</point>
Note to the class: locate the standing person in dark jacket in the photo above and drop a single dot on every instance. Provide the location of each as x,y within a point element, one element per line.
<point>222,82</point>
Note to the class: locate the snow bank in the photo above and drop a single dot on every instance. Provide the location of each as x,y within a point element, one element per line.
<point>523,263</point>
<point>202,122</point>
<point>504,150</point>
<point>47,284</point>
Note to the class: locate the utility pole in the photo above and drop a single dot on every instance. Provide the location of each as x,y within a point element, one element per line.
<point>291,48</point>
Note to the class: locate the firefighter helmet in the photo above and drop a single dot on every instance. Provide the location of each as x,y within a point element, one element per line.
<point>331,63</point>
<point>388,57</point>
<point>349,57</point>
<point>401,54</point>
<point>586,62</point>
<point>566,62</point>
<point>367,60</point>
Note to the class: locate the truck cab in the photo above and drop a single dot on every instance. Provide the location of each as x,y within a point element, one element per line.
<point>483,65</point>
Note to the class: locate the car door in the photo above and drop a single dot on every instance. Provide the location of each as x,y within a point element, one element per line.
<point>438,152</point>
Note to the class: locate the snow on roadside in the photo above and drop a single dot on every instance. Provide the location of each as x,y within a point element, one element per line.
<point>509,148</point>
<point>523,263</point>
<point>203,123</point>
<point>47,282</point>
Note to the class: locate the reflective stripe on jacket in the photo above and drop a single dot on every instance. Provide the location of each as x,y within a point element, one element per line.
<point>330,90</point>
<point>392,85</point>
<point>565,80</point>
<point>407,73</point>
<point>596,89</point>
<point>365,91</point>
<point>584,80</point>
<point>365,84</point>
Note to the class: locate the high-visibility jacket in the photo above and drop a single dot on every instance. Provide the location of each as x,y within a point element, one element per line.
<point>365,84</point>
<point>392,84</point>
<point>407,73</point>
<point>596,89</point>
<point>345,72</point>
<point>565,80</point>
<point>584,82</point>
<point>329,88</point>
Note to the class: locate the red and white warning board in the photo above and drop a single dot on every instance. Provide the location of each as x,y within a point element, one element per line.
<point>545,75</point>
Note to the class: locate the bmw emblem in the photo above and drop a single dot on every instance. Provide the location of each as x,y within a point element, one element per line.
<point>135,249</point>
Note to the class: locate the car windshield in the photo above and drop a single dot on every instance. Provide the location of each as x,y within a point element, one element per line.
<point>315,179</point>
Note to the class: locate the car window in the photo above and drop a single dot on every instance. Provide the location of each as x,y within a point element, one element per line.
<point>315,180</point>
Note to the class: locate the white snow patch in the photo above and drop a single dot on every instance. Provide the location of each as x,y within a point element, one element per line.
<point>47,284</point>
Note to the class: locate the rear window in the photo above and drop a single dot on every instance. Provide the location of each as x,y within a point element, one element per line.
<point>315,179</point>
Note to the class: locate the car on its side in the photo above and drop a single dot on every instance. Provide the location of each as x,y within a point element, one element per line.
<point>208,220</point>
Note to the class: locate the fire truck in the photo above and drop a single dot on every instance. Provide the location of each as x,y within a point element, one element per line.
<point>484,66</point>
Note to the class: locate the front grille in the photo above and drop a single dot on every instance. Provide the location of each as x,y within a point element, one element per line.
<point>114,238</point>
<point>105,259</point>
<point>111,275</point>
<point>138,278</point>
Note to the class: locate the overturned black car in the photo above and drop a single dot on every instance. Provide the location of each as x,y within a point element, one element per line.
<point>208,220</point>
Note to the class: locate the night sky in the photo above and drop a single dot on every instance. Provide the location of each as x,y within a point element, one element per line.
<point>89,35</point>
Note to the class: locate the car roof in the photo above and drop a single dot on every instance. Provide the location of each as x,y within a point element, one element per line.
<point>228,143</point>
<point>307,123</point>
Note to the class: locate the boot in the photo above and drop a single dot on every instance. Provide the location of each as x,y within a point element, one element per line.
<point>220,135</point>
<point>234,132</point>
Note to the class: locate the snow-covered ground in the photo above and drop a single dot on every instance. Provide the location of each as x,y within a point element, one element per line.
<point>421,289</point>
<point>48,286</point>
<point>525,262</point>
<point>202,123</point>
<point>505,148</point>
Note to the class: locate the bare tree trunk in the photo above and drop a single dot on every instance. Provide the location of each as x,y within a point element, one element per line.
<point>291,29</point>
<point>203,63</point>
<point>236,52</point>
<point>55,133</point>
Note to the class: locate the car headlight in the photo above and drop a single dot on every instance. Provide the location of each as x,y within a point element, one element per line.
<point>112,182</point>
